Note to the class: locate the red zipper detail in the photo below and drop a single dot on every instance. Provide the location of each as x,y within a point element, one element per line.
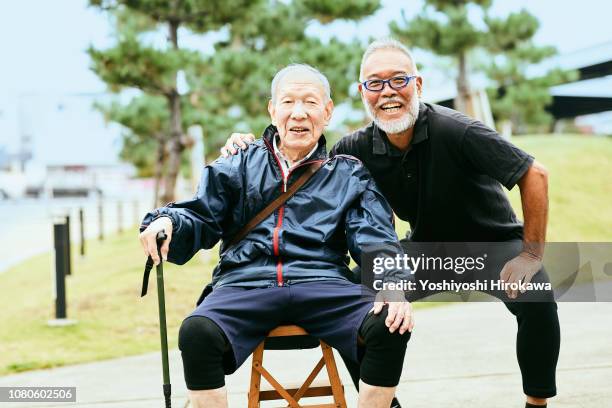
<point>281,211</point>
<point>279,263</point>
<point>279,272</point>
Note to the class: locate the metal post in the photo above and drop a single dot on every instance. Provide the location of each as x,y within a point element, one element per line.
<point>100,221</point>
<point>82,230</point>
<point>136,214</point>
<point>59,239</point>
<point>119,217</point>
<point>67,247</point>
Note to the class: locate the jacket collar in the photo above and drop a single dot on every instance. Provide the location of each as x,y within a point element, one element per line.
<point>381,144</point>
<point>270,133</point>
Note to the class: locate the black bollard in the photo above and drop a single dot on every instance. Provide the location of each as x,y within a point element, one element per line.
<point>59,239</point>
<point>68,250</point>
<point>82,230</point>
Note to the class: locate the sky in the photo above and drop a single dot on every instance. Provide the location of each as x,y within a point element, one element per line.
<point>47,88</point>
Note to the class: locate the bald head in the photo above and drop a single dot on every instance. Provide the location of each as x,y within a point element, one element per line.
<point>301,73</point>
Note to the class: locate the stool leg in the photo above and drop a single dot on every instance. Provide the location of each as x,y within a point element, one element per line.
<point>334,377</point>
<point>256,376</point>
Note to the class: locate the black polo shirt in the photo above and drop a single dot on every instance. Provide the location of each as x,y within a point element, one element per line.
<point>448,184</point>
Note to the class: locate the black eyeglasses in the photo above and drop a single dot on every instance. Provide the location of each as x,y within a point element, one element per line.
<point>396,83</point>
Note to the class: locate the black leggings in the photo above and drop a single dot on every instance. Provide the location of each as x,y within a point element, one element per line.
<point>538,341</point>
<point>538,334</point>
<point>207,354</point>
<point>537,347</point>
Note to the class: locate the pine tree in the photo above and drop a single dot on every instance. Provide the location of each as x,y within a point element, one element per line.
<point>229,89</point>
<point>145,121</point>
<point>270,37</point>
<point>518,99</point>
<point>133,64</point>
<point>443,27</point>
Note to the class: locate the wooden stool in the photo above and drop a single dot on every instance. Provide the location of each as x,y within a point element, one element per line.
<point>332,387</point>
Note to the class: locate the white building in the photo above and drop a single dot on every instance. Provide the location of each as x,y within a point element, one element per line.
<point>58,145</point>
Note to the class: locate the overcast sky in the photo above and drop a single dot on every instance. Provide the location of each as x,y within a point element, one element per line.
<point>43,51</point>
<point>43,42</point>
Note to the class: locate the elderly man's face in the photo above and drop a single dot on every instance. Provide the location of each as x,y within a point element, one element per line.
<point>301,110</point>
<point>393,110</point>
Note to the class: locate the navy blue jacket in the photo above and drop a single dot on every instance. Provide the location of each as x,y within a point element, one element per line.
<point>339,209</point>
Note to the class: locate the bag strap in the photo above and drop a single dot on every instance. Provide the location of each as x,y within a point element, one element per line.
<point>278,201</point>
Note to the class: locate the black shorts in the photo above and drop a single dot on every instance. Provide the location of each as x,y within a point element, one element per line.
<point>331,310</point>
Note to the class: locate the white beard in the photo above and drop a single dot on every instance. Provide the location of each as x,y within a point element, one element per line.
<point>399,125</point>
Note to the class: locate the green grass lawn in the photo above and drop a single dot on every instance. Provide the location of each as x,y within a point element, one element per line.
<point>103,295</point>
<point>113,321</point>
<point>580,185</point>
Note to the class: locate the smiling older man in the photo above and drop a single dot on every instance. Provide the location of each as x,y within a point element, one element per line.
<point>291,267</point>
<point>443,173</point>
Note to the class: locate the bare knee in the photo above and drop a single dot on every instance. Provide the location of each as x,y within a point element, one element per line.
<point>216,398</point>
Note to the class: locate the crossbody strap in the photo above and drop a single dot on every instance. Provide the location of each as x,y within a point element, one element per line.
<point>275,204</point>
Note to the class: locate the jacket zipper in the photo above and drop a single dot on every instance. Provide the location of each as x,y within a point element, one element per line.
<point>281,211</point>
<point>279,223</point>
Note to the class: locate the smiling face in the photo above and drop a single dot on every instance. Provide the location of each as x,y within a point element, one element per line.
<point>393,110</point>
<point>300,111</point>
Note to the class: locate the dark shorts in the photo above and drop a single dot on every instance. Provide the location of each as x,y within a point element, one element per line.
<point>330,310</point>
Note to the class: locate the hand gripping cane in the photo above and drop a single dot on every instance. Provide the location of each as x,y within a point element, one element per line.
<point>161,236</point>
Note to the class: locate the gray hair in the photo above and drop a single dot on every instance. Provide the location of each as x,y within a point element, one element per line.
<point>303,68</point>
<point>386,43</point>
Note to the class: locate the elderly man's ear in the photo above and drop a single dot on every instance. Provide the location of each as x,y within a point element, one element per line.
<point>329,110</point>
<point>271,111</point>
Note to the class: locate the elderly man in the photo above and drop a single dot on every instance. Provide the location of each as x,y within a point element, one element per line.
<point>442,172</point>
<point>292,266</point>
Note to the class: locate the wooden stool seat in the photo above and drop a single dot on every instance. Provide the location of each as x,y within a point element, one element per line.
<point>332,386</point>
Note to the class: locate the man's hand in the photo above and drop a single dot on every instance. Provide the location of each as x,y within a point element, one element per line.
<point>520,269</point>
<point>236,139</point>
<point>400,311</point>
<point>148,238</point>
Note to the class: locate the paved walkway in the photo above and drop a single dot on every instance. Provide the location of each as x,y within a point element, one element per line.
<point>460,356</point>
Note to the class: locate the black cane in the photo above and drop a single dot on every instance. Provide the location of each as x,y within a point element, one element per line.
<point>161,236</point>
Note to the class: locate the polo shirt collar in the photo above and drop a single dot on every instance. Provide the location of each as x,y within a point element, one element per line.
<point>380,142</point>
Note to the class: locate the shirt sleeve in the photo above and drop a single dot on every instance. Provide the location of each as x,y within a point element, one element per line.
<point>494,156</point>
<point>197,223</point>
<point>337,149</point>
<point>347,145</point>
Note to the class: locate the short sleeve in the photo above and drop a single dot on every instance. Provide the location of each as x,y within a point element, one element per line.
<point>494,156</point>
<point>338,148</point>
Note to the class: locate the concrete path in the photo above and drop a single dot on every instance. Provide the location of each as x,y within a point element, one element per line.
<point>460,356</point>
